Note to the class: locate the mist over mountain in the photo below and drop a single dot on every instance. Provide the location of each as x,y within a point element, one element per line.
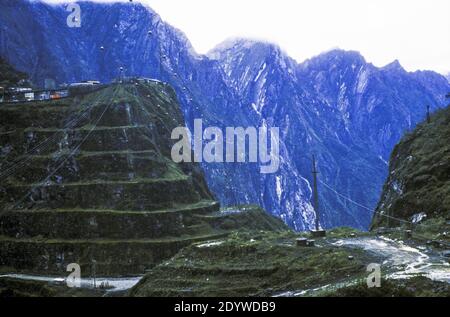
<point>335,105</point>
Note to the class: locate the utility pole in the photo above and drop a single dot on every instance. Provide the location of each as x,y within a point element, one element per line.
<point>121,76</point>
<point>317,233</point>
<point>428,114</point>
<point>94,272</point>
<point>315,193</point>
<point>2,40</point>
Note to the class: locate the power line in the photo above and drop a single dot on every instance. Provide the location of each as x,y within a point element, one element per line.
<point>72,153</point>
<point>360,205</point>
<point>380,214</point>
<point>71,123</point>
<point>345,197</point>
<point>41,147</point>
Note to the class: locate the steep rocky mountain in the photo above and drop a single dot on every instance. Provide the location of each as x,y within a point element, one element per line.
<point>336,105</point>
<point>418,186</point>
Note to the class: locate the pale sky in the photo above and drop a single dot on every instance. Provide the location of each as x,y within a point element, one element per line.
<point>416,32</point>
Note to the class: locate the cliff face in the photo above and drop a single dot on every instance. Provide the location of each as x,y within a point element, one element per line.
<point>418,185</point>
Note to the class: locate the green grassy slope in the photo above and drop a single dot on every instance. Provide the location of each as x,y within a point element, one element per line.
<point>419,175</point>
<point>252,263</point>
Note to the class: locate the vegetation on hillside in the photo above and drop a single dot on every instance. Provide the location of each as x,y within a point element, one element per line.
<point>8,75</point>
<point>419,175</point>
<point>252,263</point>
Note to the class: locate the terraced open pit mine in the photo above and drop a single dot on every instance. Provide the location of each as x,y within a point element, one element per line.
<point>89,180</point>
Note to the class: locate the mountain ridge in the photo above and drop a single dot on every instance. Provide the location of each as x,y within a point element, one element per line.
<point>345,110</point>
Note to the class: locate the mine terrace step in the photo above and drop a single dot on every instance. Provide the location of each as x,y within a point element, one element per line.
<point>211,205</point>
<point>182,239</point>
<point>135,138</point>
<point>113,257</point>
<point>102,182</point>
<point>129,110</point>
<point>138,194</point>
<point>33,115</point>
<point>84,128</point>
<point>92,224</point>
<point>89,166</point>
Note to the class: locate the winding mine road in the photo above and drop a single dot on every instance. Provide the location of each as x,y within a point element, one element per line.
<point>401,260</point>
